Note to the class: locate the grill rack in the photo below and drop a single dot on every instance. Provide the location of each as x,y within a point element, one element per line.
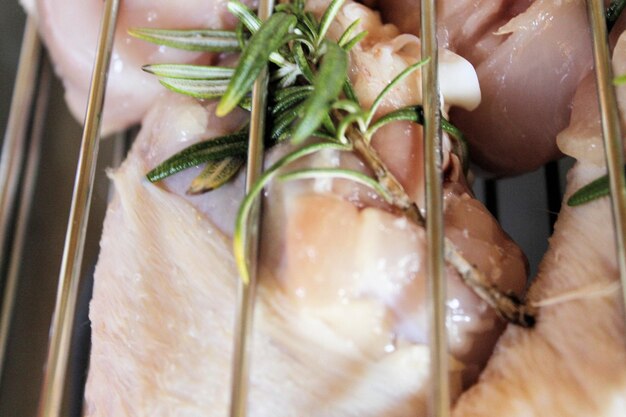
<point>14,212</point>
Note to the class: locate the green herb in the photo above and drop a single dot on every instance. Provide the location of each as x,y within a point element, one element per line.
<point>308,74</point>
<point>203,40</point>
<point>269,38</point>
<point>327,86</point>
<point>594,190</point>
<point>215,174</point>
<point>234,145</point>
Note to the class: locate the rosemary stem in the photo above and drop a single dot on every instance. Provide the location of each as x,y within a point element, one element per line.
<point>508,306</point>
<point>386,179</point>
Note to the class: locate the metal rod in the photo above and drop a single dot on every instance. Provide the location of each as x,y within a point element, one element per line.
<point>23,209</point>
<point>440,390</point>
<point>610,131</point>
<point>246,291</point>
<point>60,331</point>
<point>15,135</point>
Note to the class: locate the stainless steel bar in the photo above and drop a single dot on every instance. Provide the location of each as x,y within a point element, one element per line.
<point>612,136</point>
<point>246,291</point>
<point>15,135</point>
<point>23,209</point>
<point>440,394</point>
<point>60,331</point>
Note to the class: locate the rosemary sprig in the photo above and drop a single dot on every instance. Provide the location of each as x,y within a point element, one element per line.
<point>269,38</point>
<point>308,74</point>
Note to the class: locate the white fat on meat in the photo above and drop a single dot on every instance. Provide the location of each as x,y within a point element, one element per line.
<point>70,28</point>
<point>573,363</point>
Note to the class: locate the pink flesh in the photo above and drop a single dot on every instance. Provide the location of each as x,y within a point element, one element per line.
<point>70,29</point>
<point>530,58</point>
<point>573,363</point>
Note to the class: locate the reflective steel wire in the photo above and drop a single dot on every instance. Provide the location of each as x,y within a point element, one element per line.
<point>440,390</point>
<point>611,134</point>
<point>17,128</point>
<point>242,348</point>
<point>62,320</point>
<point>12,252</point>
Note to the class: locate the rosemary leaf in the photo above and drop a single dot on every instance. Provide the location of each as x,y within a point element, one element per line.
<point>352,42</point>
<point>205,89</point>
<point>240,233</point>
<point>328,84</point>
<point>216,149</point>
<point>302,62</point>
<point>189,72</point>
<point>215,174</point>
<point>298,95</point>
<point>348,90</point>
<point>299,5</point>
<point>309,21</point>
<point>398,78</point>
<point>241,35</point>
<point>254,58</point>
<point>282,122</point>
<point>245,15</point>
<point>594,190</point>
<point>327,18</point>
<point>416,114</point>
<point>204,40</point>
<point>252,22</point>
<point>343,39</point>
<point>348,106</point>
<point>285,93</point>
<point>338,173</point>
<point>620,80</point>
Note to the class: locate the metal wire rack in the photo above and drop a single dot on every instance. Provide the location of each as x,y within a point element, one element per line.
<point>24,155</point>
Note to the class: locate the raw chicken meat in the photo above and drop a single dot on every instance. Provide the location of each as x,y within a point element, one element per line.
<point>340,327</point>
<point>162,319</point>
<point>573,363</point>
<point>529,58</point>
<point>70,30</point>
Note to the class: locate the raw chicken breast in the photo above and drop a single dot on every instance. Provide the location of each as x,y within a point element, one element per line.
<point>573,363</point>
<point>529,60</point>
<point>70,28</point>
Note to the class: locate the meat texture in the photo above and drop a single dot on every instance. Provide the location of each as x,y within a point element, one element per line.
<point>574,362</point>
<point>530,57</point>
<point>340,321</point>
<point>162,317</point>
<point>69,29</point>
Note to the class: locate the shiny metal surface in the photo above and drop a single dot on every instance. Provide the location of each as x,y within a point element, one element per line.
<point>247,290</point>
<point>69,278</point>
<point>23,209</point>
<point>611,134</point>
<point>15,142</point>
<point>440,389</point>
